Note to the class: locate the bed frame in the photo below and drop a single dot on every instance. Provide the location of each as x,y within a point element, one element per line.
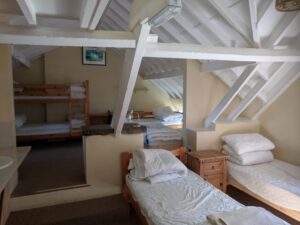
<point>289,212</point>
<point>52,91</point>
<point>125,157</point>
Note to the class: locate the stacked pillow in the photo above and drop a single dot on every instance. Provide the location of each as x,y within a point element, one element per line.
<point>20,120</point>
<point>167,114</point>
<point>248,149</point>
<point>155,166</point>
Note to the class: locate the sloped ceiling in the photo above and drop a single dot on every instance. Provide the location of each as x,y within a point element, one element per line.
<point>234,23</point>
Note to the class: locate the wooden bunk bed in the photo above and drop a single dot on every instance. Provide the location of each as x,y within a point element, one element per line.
<point>71,95</point>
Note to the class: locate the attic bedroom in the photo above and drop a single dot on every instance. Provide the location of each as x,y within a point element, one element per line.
<point>149,112</point>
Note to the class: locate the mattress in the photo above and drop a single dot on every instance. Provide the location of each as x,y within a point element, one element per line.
<point>276,181</point>
<point>152,121</point>
<point>47,97</point>
<point>43,129</point>
<point>181,201</point>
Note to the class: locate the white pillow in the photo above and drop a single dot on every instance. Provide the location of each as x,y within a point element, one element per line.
<point>242,143</point>
<point>250,158</point>
<point>20,120</point>
<point>173,117</point>
<point>163,177</point>
<point>150,162</point>
<point>163,112</point>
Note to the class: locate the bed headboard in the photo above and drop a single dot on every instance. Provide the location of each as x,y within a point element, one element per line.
<point>126,156</point>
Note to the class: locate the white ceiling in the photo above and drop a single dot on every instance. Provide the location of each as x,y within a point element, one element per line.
<point>224,23</point>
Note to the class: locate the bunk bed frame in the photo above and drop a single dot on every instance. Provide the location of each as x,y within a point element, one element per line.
<point>49,94</point>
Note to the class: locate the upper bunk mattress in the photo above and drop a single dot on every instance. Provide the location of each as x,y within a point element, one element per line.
<point>181,201</point>
<point>276,181</point>
<point>43,129</point>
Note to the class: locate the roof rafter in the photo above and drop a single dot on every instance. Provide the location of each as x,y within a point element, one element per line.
<point>280,29</point>
<point>102,6</point>
<point>191,5</point>
<point>254,23</point>
<point>235,22</point>
<point>231,94</point>
<point>28,11</point>
<point>131,65</point>
<point>87,11</point>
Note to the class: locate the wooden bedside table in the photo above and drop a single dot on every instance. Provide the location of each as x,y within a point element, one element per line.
<point>211,165</point>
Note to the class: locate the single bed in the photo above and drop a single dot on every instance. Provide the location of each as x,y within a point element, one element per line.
<point>187,200</point>
<point>275,183</point>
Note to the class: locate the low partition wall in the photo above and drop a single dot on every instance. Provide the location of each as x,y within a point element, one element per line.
<point>103,157</point>
<point>202,139</point>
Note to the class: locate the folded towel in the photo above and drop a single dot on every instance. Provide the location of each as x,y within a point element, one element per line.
<point>245,216</point>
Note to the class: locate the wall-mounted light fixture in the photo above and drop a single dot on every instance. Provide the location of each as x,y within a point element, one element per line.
<point>171,9</point>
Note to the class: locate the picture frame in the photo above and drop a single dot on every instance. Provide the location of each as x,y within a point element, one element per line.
<point>93,56</point>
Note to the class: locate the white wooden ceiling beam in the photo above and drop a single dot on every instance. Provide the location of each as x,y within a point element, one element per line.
<point>222,65</point>
<point>87,11</point>
<point>231,94</point>
<point>279,31</point>
<point>254,22</point>
<point>291,76</point>
<point>28,10</point>
<point>234,21</point>
<point>131,65</point>
<point>243,104</point>
<point>65,37</point>
<point>191,51</point>
<point>102,6</point>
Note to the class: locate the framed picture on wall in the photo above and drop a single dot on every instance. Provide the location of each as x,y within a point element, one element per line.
<point>93,56</point>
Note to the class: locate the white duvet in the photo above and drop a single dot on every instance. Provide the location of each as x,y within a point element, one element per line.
<point>183,201</point>
<point>277,181</point>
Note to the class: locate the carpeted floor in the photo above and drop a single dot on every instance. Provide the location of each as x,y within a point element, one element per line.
<point>51,165</point>
<point>105,211</point>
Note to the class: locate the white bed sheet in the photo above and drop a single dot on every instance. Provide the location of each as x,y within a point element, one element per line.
<point>276,181</point>
<point>152,121</point>
<point>43,129</point>
<point>183,201</point>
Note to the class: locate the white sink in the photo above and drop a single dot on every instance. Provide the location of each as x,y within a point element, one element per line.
<point>5,161</point>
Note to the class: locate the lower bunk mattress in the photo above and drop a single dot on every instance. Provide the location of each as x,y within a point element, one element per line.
<point>43,129</point>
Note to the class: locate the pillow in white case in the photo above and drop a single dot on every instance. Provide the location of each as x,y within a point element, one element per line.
<point>242,143</point>
<point>249,158</point>
<point>20,120</point>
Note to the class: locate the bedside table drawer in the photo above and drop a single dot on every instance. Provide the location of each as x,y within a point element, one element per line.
<point>215,180</point>
<point>213,167</point>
